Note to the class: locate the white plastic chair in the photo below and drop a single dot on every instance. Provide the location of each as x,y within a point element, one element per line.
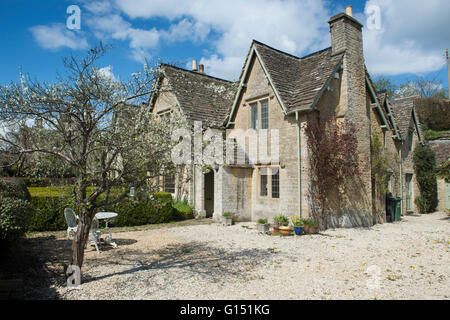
<point>71,219</point>
<point>94,232</point>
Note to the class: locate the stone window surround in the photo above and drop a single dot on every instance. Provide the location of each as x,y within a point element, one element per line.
<point>269,182</point>
<point>259,100</point>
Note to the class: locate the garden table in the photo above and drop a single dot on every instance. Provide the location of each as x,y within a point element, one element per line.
<point>107,216</point>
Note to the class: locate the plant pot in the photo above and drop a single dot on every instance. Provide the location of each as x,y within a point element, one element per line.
<point>263,228</point>
<point>285,231</point>
<point>226,221</point>
<point>298,230</point>
<point>311,230</point>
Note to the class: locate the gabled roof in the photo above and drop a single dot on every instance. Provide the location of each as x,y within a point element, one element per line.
<point>405,116</point>
<point>297,82</point>
<point>200,97</point>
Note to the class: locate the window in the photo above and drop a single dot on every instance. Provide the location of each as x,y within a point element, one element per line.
<point>169,183</point>
<point>265,114</point>
<point>264,181</point>
<point>410,140</point>
<point>254,116</point>
<point>275,183</point>
<point>274,175</point>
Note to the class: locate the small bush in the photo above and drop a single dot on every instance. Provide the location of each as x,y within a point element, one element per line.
<point>182,211</point>
<point>14,188</point>
<point>14,218</point>
<point>262,221</point>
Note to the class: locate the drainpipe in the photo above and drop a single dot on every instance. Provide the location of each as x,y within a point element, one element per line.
<point>193,184</point>
<point>401,178</point>
<point>299,167</point>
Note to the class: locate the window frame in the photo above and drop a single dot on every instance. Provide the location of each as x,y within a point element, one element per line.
<point>264,121</point>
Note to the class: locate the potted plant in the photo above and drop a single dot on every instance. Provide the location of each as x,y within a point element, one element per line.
<point>284,227</point>
<point>263,226</point>
<point>311,226</point>
<point>227,219</point>
<point>278,222</point>
<point>298,225</point>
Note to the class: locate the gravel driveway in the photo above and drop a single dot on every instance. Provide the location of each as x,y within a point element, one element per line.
<point>402,260</point>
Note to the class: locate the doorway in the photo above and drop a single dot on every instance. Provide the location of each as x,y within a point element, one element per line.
<point>209,194</point>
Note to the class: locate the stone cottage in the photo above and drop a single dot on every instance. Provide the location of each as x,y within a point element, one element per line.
<point>279,92</point>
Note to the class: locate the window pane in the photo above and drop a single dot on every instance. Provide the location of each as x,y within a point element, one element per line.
<point>275,183</point>
<point>169,183</point>
<point>263,174</point>
<point>254,111</point>
<point>265,115</point>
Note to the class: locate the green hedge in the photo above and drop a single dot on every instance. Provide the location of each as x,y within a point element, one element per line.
<point>135,212</point>
<point>49,211</point>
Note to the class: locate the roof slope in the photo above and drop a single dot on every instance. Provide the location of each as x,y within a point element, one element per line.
<point>201,97</point>
<point>402,110</point>
<point>297,80</point>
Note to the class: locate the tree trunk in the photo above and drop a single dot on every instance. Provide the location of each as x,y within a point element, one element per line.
<point>80,239</point>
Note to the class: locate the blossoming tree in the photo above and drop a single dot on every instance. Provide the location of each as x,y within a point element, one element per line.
<point>97,125</point>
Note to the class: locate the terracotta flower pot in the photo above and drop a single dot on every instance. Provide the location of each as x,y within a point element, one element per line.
<point>285,231</point>
<point>311,230</point>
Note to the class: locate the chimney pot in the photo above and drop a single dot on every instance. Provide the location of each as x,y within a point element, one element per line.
<point>349,11</point>
<point>201,68</point>
<point>194,65</point>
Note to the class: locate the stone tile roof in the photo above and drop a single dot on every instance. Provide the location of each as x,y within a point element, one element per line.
<point>297,80</point>
<point>402,110</point>
<point>201,97</point>
<point>441,149</point>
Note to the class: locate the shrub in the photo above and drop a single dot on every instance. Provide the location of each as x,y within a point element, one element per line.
<point>14,188</point>
<point>14,218</point>
<point>425,169</point>
<point>281,220</point>
<point>182,211</point>
<point>262,221</point>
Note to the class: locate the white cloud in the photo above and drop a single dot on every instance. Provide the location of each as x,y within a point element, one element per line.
<point>293,26</point>
<point>58,36</point>
<point>412,38</point>
<point>107,73</point>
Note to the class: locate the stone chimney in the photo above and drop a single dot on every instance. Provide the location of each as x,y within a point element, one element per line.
<point>194,65</point>
<point>349,11</point>
<point>201,68</point>
<point>346,39</point>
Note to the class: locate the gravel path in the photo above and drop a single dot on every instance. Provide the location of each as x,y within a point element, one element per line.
<point>401,260</point>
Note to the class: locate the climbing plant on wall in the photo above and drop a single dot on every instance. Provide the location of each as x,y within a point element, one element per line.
<point>425,170</point>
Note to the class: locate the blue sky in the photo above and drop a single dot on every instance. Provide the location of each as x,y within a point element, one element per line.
<point>409,42</point>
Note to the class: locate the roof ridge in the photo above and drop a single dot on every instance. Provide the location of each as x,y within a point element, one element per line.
<point>196,73</point>
<point>288,54</point>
